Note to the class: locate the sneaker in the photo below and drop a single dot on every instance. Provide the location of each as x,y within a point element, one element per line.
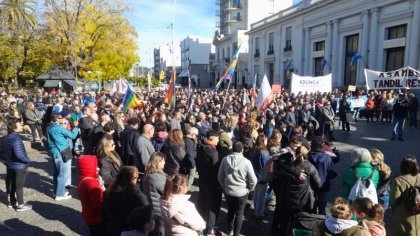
<point>60,198</point>
<point>23,207</point>
<point>12,205</point>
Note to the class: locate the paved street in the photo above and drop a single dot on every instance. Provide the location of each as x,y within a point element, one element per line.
<point>49,217</point>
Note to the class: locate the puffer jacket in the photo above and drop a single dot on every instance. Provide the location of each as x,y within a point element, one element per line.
<point>90,191</point>
<point>153,187</point>
<point>179,207</point>
<point>57,138</point>
<point>15,153</point>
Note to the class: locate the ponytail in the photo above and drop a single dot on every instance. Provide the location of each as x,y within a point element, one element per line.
<point>372,211</point>
<point>173,185</point>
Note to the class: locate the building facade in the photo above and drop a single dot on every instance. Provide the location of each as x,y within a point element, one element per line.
<point>163,59</point>
<point>195,61</point>
<point>317,37</point>
<point>235,18</point>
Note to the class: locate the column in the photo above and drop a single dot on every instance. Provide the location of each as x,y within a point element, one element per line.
<point>335,54</point>
<point>413,48</point>
<point>328,46</point>
<point>364,49</point>
<point>307,53</point>
<point>373,43</point>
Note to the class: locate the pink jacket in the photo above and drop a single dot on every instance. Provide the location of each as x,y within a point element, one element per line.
<point>188,222</point>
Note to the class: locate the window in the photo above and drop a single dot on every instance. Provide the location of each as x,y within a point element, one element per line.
<point>288,46</point>
<point>395,58</point>
<point>256,73</point>
<point>319,66</point>
<point>228,53</point>
<point>319,46</point>
<point>257,47</point>
<point>397,32</point>
<point>350,71</point>
<point>270,43</point>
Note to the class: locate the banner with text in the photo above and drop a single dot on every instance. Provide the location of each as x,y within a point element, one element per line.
<point>311,84</point>
<point>404,78</point>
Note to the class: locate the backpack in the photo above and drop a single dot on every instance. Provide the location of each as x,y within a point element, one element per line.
<point>412,196</point>
<point>363,188</point>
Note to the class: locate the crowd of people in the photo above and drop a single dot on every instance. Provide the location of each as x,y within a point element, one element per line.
<point>136,167</point>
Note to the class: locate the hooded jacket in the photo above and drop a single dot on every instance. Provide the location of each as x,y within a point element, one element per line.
<point>323,164</point>
<point>90,191</point>
<point>339,227</point>
<point>236,175</point>
<point>207,166</point>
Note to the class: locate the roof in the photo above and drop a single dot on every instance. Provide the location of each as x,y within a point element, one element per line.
<point>56,74</point>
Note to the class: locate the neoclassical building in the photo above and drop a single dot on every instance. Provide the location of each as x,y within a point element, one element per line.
<point>316,37</point>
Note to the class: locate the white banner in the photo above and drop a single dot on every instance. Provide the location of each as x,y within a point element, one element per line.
<point>404,78</point>
<point>311,84</point>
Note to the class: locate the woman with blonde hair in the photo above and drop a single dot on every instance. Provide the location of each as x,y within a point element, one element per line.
<point>179,214</point>
<point>154,185</point>
<point>385,176</point>
<point>339,221</point>
<point>109,161</point>
<point>175,153</point>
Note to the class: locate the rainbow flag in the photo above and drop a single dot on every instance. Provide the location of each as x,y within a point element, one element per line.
<point>229,71</point>
<point>170,94</point>
<point>130,100</point>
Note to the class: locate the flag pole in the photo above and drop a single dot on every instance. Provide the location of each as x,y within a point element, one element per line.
<point>173,53</point>
<point>224,101</point>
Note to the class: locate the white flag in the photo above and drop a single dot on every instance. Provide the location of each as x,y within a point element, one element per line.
<point>245,99</point>
<point>264,95</point>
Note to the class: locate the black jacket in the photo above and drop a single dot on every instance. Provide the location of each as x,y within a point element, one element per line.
<point>117,206</point>
<point>175,155</point>
<point>108,169</point>
<point>129,146</point>
<point>87,125</point>
<point>208,166</point>
<point>295,193</point>
<point>98,133</point>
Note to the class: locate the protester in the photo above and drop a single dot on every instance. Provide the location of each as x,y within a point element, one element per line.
<point>413,105</point>
<point>161,135</point>
<point>371,215</point>
<point>340,222</point>
<point>109,161</point>
<point>191,149</point>
<point>175,153</point>
<point>237,178</point>
<point>140,222</point>
<point>403,221</point>
<point>399,115</point>
<point>385,177</point>
<point>210,195</point>
<point>87,125</point>
<point>33,117</point>
<point>153,186</point>
<point>361,168</point>
<point>343,111</point>
<point>90,191</point>
<point>17,163</point>
<point>58,142</point>
<point>179,214</point>
<point>121,197</point>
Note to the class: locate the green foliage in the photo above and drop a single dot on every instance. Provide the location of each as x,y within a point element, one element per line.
<point>142,81</point>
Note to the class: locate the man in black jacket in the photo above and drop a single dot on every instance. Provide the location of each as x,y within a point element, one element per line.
<point>98,131</point>
<point>129,141</point>
<point>400,113</point>
<point>87,125</point>
<point>210,195</point>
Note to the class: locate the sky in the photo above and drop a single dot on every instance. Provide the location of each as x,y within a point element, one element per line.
<point>152,20</point>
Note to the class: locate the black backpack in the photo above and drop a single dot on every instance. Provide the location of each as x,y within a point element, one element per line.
<point>412,196</point>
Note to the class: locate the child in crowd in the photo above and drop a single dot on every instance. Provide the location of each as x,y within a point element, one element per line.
<point>371,215</point>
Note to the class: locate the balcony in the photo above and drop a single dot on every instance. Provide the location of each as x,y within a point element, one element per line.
<point>288,48</point>
<point>257,53</point>
<point>270,52</point>
<point>232,7</point>
<point>220,12</point>
<point>233,19</point>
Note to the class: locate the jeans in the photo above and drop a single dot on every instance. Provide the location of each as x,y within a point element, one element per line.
<point>62,175</point>
<point>398,130</point>
<point>15,179</point>
<point>236,207</point>
<point>208,205</point>
<point>259,199</point>
<point>36,131</point>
